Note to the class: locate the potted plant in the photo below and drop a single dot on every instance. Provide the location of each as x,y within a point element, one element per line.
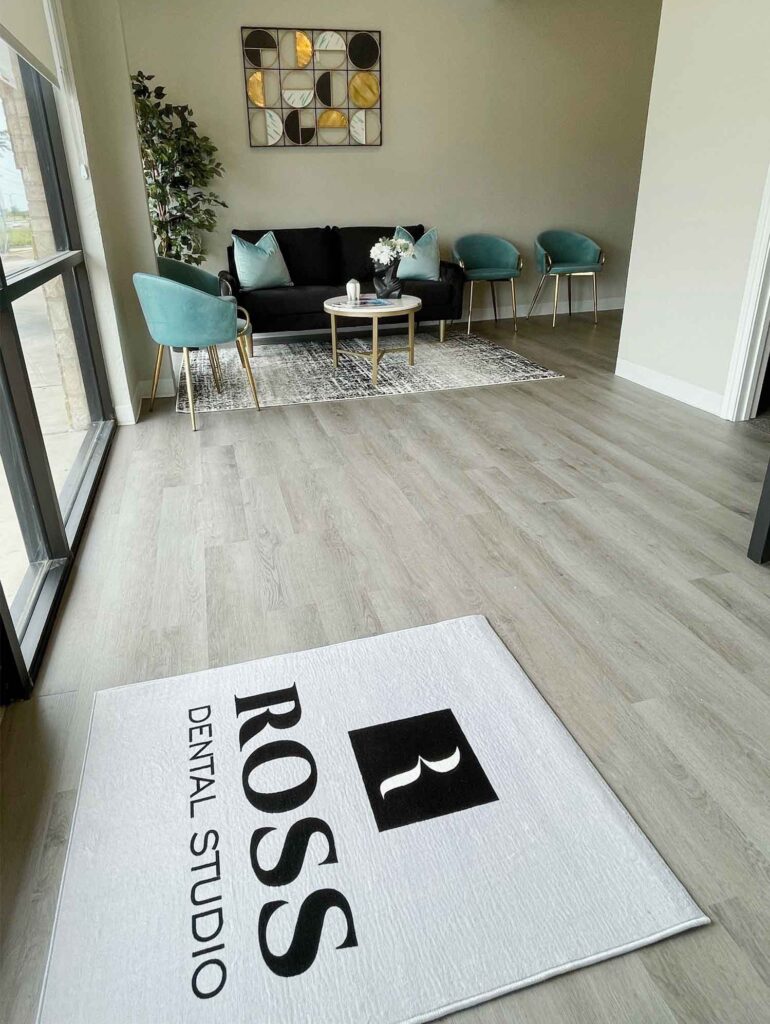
<point>179,165</point>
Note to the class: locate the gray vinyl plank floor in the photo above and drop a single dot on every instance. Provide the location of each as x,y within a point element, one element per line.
<point>600,527</point>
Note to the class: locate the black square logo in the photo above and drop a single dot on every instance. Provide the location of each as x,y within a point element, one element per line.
<point>419,768</point>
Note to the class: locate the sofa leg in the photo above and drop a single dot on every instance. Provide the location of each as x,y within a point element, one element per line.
<point>442,330</point>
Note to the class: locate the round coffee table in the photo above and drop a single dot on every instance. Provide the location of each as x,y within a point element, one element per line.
<point>339,306</point>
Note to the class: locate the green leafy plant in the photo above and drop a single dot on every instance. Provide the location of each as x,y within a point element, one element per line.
<point>179,165</point>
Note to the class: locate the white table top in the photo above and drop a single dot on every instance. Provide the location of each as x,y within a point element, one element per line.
<point>340,306</point>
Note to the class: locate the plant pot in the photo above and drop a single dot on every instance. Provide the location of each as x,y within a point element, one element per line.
<point>386,283</point>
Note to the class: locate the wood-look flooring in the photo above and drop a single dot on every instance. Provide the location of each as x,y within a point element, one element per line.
<point>601,528</point>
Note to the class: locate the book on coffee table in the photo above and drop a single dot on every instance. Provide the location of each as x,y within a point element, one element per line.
<point>366,302</point>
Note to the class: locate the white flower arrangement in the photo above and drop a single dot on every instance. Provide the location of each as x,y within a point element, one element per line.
<point>388,250</point>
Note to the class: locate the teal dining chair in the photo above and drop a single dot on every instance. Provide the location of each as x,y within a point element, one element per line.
<point>489,258</point>
<point>180,315</point>
<point>566,254</point>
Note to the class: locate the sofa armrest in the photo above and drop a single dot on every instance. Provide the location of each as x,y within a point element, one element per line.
<point>453,274</point>
<point>228,285</point>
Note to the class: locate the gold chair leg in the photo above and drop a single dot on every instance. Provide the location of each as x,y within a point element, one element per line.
<point>537,295</point>
<point>470,308</point>
<point>513,299</point>
<point>411,339</point>
<point>190,398</point>
<point>569,293</point>
<point>442,330</point>
<point>242,346</point>
<point>375,348</point>
<point>596,303</point>
<point>555,297</point>
<point>335,353</point>
<point>219,364</point>
<point>240,350</point>
<point>214,369</point>
<point>156,375</point>
<point>494,299</point>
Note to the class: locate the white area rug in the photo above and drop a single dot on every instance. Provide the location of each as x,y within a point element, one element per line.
<point>302,371</point>
<point>384,830</point>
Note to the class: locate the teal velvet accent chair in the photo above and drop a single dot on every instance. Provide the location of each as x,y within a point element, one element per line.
<point>194,277</point>
<point>183,316</point>
<point>491,259</point>
<point>566,254</point>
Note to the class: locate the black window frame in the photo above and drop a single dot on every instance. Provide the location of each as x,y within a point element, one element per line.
<point>52,524</point>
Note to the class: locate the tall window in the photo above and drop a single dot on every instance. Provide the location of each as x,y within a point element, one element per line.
<point>55,413</point>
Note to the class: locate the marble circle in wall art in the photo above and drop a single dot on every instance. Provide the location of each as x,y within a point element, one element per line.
<point>298,89</point>
<point>366,127</point>
<point>330,50</point>
<point>265,127</point>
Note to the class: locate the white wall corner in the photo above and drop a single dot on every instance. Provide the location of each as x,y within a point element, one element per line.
<point>671,387</point>
<point>749,356</point>
<point>128,414</point>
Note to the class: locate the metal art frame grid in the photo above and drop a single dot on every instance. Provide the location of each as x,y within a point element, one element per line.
<point>284,110</point>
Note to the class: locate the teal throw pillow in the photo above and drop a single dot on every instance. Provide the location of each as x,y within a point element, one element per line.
<point>425,264</point>
<point>261,265</point>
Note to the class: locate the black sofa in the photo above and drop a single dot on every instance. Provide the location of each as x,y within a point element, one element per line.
<point>321,261</point>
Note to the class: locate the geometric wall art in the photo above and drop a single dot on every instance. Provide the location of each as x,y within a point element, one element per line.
<point>312,87</point>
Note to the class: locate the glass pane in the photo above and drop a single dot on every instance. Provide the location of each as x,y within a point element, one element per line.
<point>53,368</point>
<point>26,234</point>
<point>13,553</point>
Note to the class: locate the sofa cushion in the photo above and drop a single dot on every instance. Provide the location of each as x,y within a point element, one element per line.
<point>311,254</point>
<point>288,302</point>
<point>355,244</point>
<point>260,264</point>
<point>424,263</point>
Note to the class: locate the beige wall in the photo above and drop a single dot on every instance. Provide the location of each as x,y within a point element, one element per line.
<point>101,136</point>
<point>499,115</point>
<point>706,160</point>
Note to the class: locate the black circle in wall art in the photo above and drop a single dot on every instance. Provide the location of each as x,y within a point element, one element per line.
<point>363,50</point>
<point>257,41</point>
<point>297,132</point>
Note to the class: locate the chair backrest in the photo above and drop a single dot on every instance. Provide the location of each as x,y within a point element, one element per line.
<point>486,252</point>
<point>177,314</point>
<point>184,273</point>
<point>569,247</point>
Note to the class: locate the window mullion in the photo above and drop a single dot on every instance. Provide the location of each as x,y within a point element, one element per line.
<point>26,459</point>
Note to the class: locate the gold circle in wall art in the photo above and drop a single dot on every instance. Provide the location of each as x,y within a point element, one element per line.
<point>296,49</point>
<point>332,128</point>
<point>364,89</point>
<point>264,88</point>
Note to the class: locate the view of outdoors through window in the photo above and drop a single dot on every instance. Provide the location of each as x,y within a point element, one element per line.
<point>42,316</point>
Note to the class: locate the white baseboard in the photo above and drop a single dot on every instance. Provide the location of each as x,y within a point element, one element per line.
<point>543,308</point>
<point>128,415</point>
<point>671,387</point>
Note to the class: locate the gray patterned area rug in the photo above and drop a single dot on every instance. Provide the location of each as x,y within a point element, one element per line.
<point>299,372</point>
